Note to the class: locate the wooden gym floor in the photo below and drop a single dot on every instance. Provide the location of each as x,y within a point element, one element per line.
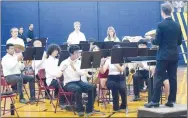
<point>46,109</point>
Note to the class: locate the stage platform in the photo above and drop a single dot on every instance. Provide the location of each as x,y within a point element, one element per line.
<point>178,111</point>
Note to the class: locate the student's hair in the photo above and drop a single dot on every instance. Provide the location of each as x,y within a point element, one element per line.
<point>143,41</point>
<point>9,45</point>
<point>11,30</point>
<point>20,27</point>
<point>116,46</point>
<point>94,46</point>
<point>52,48</point>
<point>166,8</point>
<point>30,25</point>
<point>76,23</point>
<point>108,35</point>
<point>73,48</point>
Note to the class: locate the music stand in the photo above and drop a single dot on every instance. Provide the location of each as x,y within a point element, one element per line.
<point>84,42</point>
<point>120,55</point>
<point>105,53</point>
<point>127,44</point>
<point>99,44</point>
<point>63,55</point>
<point>33,53</point>
<point>64,47</point>
<point>42,40</point>
<point>84,46</point>
<point>91,60</point>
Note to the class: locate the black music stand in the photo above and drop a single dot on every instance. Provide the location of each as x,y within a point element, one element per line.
<point>105,53</point>
<point>99,44</point>
<point>63,55</point>
<point>84,46</point>
<point>84,42</point>
<point>43,41</point>
<point>33,53</point>
<point>64,47</point>
<point>91,60</point>
<point>120,55</point>
<point>127,44</point>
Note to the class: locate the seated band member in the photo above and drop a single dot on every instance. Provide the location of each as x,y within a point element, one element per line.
<point>143,74</point>
<point>39,64</point>
<point>72,72</point>
<point>115,81</point>
<point>15,39</point>
<point>76,36</point>
<point>53,72</point>
<point>102,77</point>
<point>111,35</point>
<point>12,66</point>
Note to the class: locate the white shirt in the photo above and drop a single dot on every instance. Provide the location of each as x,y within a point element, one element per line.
<point>39,64</point>
<point>70,75</point>
<point>17,41</point>
<point>112,68</point>
<point>11,66</point>
<point>106,39</point>
<point>76,37</point>
<point>52,69</point>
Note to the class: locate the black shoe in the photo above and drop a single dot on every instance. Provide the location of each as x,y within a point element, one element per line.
<point>136,98</point>
<point>80,114</point>
<point>169,104</point>
<point>33,99</point>
<point>123,107</point>
<point>151,104</point>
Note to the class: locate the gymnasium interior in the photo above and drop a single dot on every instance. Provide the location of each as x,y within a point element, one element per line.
<point>53,20</point>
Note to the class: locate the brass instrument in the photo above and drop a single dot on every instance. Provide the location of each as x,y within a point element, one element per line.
<point>95,77</point>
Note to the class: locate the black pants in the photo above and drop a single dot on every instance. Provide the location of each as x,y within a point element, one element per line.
<point>171,67</point>
<point>138,80</point>
<point>55,84</point>
<point>78,88</point>
<point>116,84</point>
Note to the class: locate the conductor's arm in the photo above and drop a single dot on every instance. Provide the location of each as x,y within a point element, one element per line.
<point>157,40</point>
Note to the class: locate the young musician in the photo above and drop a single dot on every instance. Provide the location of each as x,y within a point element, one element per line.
<point>76,36</point>
<point>53,72</point>
<point>115,81</point>
<point>101,76</point>
<point>111,35</point>
<point>143,74</point>
<point>39,64</point>
<point>12,66</point>
<point>72,72</point>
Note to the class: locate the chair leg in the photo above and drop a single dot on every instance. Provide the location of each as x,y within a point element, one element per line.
<point>4,106</point>
<point>38,96</point>
<point>103,99</point>
<point>51,102</point>
<point>57,103</point>
<point>26,91</point>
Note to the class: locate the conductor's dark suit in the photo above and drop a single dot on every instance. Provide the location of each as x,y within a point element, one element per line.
<point>168,37</point>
